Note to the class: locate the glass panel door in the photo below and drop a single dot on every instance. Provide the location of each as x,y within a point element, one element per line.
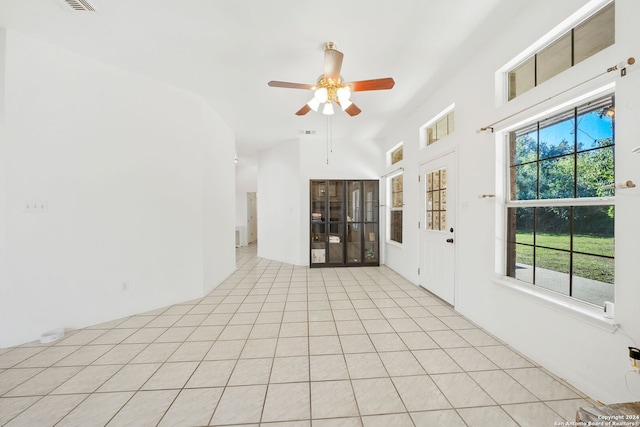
<point>371,201</point>
<point>370,238</point>
<point>336,222</point>
<point>370,243</point>
<point>344,223</point>
<point>354,222</point>
<point>318,222</point>
<point>354,213</point>
<point>354,243</point>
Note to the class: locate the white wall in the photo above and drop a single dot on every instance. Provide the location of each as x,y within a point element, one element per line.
<point>118,158</point>
<point>279,203</point>
<point>218,195</point>
<point>283,189</point>
<point>587,353</point>
<point>4,319</point>
<point>3,36</point>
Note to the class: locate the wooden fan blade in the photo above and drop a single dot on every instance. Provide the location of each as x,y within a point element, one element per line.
<point>289,85</point>
<point>375,84</point>
<point>332,64</point>
<point>353,110</point>
<point>304,110</point>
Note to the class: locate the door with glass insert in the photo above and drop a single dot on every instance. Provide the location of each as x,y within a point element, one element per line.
<point>437,227</point>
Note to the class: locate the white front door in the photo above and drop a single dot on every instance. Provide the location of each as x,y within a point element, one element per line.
<point>437,226</point>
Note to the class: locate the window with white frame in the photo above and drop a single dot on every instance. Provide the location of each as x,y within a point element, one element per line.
<point>560,209</point>
<point>585,39</point>
<point>396,155</point>
<point>395,207</point>
<point>438,127</point>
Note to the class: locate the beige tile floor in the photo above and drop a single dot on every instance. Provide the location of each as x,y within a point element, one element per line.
<point>279,345</point>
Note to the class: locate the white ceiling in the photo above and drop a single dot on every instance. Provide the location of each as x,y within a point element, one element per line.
<point>227,50</point>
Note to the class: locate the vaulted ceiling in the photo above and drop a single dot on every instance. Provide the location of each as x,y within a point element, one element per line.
<point>227,50</point>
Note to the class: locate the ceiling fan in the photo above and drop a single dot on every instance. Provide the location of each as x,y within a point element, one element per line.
<point>330,86</point>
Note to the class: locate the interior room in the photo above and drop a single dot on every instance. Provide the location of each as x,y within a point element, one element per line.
<point>248,213</point>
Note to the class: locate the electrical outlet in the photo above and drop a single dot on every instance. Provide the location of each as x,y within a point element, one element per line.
<point>35,206</point>
<point>125,286</point>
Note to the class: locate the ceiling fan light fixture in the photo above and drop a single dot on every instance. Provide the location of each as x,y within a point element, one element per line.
<point>314,104</point>
<point>331,87</point>
<point>322,95</point>
<point>343,94</point>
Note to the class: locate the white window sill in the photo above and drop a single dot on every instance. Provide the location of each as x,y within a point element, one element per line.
<point>585,312</point>
<point>394,243</point>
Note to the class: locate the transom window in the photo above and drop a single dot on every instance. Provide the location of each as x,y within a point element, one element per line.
<point>440,128</point>
<point>560,213</point>
<point>396,155</point>
<point>584,40</point>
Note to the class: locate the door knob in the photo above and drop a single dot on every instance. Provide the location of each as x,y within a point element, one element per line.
<point>449,240</point>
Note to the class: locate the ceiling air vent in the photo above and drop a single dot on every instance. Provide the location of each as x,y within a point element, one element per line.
<point>307,132</point>
<point>79,5</point>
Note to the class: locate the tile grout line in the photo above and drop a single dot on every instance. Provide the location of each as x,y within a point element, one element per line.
<point>257,280</point>
<point>364,286</point>
<point>275,349</point>
<point>381,361</point>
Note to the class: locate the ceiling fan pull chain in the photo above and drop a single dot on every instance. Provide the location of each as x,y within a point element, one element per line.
<point>331,133</point>
<point>328,117</point>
